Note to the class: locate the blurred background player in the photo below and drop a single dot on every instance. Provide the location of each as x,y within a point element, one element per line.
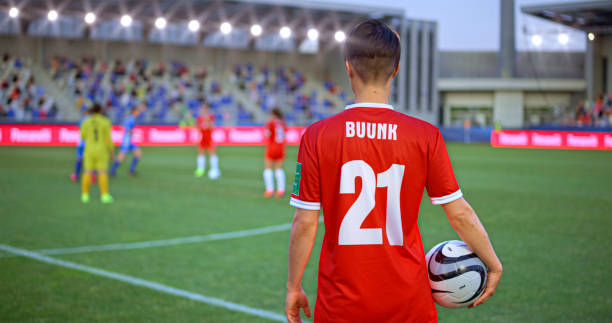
<point>205,124</point>
<point>127,145</point>
<point>275,154</point>
<point>96,132</point>
<point>78,164</point>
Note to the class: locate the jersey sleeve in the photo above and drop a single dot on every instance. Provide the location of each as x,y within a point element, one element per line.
<point>306,184</point>
<point>269,129</point>
<point>441,184</point>
<point>84,127</point>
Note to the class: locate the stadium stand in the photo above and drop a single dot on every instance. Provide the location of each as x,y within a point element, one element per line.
<point>21,97</point>
<point>173,91</point>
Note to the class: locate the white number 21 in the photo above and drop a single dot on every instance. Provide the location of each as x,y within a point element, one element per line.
<point>351,232</point>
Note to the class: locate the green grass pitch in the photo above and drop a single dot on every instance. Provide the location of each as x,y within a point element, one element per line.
<point>548,213</point>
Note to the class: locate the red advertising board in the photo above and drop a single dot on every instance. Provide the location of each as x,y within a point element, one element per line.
<point>551,139</point>
<point>68,135</point>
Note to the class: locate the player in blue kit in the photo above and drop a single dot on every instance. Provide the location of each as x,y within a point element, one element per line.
<point>127,145</point>
<point>78,164</point>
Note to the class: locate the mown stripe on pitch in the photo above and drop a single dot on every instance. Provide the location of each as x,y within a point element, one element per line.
<point>148,284</point>
<point>167,242</point>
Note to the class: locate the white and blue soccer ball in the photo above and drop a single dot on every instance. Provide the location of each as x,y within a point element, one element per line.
<point>456,275</point>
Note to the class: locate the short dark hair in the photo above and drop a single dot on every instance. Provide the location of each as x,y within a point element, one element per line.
<point>277,113</point>
<point>374,51</point>
<point>96,108</point>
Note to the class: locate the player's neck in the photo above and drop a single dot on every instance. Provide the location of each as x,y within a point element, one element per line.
<point>373,94</point>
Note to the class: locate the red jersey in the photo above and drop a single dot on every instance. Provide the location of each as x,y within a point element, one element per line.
<point>275,132</point>
<point>205,124</point>
<point>367,168</point>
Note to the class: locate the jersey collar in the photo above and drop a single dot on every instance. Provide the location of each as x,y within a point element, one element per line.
<point>369,105</point>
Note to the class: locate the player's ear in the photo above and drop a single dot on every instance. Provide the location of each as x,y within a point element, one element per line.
<point>397,68</point>
<point>349,68</point>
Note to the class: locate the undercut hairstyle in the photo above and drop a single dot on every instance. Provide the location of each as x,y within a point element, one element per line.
<point>374,51</point>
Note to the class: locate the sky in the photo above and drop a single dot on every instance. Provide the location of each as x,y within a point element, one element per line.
<point>473,25</point>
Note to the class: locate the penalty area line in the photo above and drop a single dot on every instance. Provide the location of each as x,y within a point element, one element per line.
<point>169,242</point>
<point>147,284</point>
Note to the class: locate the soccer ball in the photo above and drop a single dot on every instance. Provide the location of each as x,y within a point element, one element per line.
<point>456,275</point>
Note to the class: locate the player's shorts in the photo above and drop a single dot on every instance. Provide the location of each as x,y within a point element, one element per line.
<point>206,142</point>
<point>275,152</point>
<point>127,147</point>
<point>80,149</point>
<point>95,161</point>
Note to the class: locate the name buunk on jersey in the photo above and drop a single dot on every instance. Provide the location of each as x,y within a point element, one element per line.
<point>371,130</point>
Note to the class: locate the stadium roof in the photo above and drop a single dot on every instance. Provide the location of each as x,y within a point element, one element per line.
<point>301,14</point>
<point>589,16</point>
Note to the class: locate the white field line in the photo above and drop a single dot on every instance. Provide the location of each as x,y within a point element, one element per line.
<point>168,242</point>
<point>148,284</point>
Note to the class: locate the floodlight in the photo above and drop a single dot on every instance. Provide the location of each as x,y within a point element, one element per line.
<point>256,30</point>
<point>126,21</point>
<point>340,36</point>
<point>285,32</point>
<point>226,28</point>
<point>160,23</point>
<point>13,12</point>
<point>52,15</point>
<point>591,36</point>
<point>194,25</point>
<point>313,34</point>
<point>90,18</point>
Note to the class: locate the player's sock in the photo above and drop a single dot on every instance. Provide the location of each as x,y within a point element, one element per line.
<point>85,182</point>
<point>77,167</point>
<point>268,176</point>
<point>280,181</point>
<point>103,183</point>
<point>114,168</point>
<point>201,162</point>
<point>134,163</point>
<point>214,162</point>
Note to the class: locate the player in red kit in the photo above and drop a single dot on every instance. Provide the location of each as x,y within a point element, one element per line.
<point>205,124</point>
<point>366,168</point>
<point>275,154</point>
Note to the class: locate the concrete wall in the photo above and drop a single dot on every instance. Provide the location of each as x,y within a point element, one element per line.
<point>528,64</point>
<point>606,51</point>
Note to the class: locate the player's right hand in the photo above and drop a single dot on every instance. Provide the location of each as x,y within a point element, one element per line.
<point>295,300</point>
<point>493,278</point>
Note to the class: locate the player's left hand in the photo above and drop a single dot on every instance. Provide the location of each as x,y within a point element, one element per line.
<point>294,301</point>
<point>493,278</point>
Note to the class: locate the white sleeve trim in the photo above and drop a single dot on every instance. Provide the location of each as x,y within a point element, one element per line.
<point>447,198</point>
<point>314,206</point>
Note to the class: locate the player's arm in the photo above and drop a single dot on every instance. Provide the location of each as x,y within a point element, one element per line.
<point>108,140</point>
<point>268,130</point>
<point>83,130</point>
<point>303,234</point>
<point>465,221</point>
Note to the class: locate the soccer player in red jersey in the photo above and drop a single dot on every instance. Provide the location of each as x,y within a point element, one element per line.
<point>205,124</point>
<point>275,154</point>
<point>367,168</point>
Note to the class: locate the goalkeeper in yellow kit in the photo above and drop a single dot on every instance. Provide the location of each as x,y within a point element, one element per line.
<point>96,131</point>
